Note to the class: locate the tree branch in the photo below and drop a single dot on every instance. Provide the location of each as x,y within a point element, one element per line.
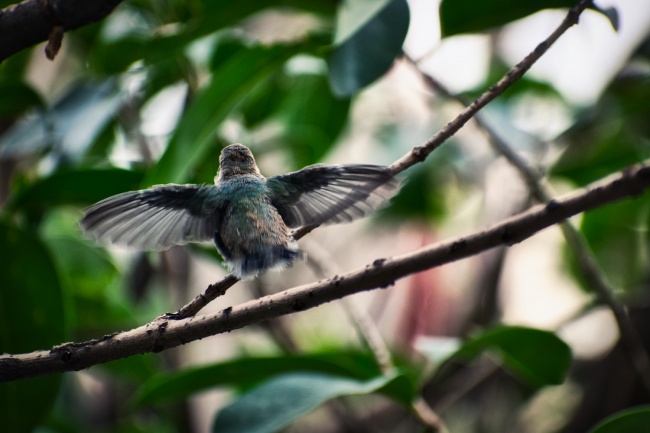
<point>32,21</point>
<point>163,334</point>
<point>587,263</point>
<point>419,153</point>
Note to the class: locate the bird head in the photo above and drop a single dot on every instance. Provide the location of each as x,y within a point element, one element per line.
<point>236,160</point>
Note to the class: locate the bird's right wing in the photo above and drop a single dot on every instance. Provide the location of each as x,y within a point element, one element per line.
<point>328,194</point>
<point>156,218</point>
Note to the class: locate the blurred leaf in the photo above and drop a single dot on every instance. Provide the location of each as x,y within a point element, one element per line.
<point>244,372</point>
<point>312,118</point>
<point>135,369</point>
<point>32,317</point>
<point>611,13</point>
<point>17,97</point>
<point>422,194</point>
<point>263,101</point>
<point>538,357</point>
<point>610,135</point>
<point>634,420</point>
<point>232,81</point>
<point>86,269</point>
<point>618,236</point>
<point>116,56</point>
<point>70,125</point>
<point>282,400</point>
<point>76,187</point>
<point>369,36</point>
<point>473,16</point>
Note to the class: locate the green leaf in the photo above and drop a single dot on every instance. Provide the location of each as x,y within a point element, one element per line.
<point>244,372</point>
<point>282,400</point>
<point>618,236</point>
<point>312,119</point>
<point>32,317</point>
<point>634,420</point>
<point>473,16</point>
<point>76,187</point>
<point>538,357</point>
<point>609,135</point>
<point>17,97</point>
<point>369,36</point>
<point>231,82</point>
<point>85,268</point>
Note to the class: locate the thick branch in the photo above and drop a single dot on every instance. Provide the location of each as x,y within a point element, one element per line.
<point>164,334</point>
<point>33,21</point>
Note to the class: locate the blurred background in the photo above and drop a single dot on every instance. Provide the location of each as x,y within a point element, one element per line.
<point>514,339</point>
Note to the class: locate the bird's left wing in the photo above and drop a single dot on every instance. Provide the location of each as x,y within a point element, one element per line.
<point>156,218</point>
<point>327,194</point>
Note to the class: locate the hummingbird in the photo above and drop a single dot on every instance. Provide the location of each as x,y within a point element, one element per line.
<point>247,216</point>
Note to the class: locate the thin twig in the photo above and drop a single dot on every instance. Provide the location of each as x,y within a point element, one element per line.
<point>163,334</point>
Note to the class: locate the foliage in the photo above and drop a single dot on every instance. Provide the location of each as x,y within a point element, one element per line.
<point>80,138</point>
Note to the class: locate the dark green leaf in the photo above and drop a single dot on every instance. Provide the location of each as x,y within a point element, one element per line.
<point>472,16</point>
<point>538,357</point>
<point>282,400</point>
<point>32,317</point>
<point>608,136</point>
<point>78,187</point>
<point>116,56</point>
<point>634,420</point>
<point>618,236</point>
<point>17,97</point>
<point>244,372</point>
<point>369,36</point>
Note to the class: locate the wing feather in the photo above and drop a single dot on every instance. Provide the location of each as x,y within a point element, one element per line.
<point>329,194</point>
<point>156,218</point>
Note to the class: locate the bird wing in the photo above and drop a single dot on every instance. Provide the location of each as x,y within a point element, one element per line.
<point>328,194</point>
<point>156,218</point>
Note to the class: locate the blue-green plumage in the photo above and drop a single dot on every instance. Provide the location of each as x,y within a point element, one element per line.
<point>246,215</point>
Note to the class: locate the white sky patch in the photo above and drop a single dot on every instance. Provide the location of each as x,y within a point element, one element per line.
<point>161,113</point>
<point>585,59</point>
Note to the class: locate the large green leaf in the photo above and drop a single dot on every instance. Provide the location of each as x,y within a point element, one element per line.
<point>538,357</point>
<point>472,16</point>
<point>636,420</point>
<point>231,82</point>
<point>280,401</point>
<point>312,118</point>
<point>244,372</point>
<point>369,36</point>
<point>32,316</point>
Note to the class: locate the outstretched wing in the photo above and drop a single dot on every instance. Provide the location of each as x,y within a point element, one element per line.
<point>328,194</point>
<point>156,218</point>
